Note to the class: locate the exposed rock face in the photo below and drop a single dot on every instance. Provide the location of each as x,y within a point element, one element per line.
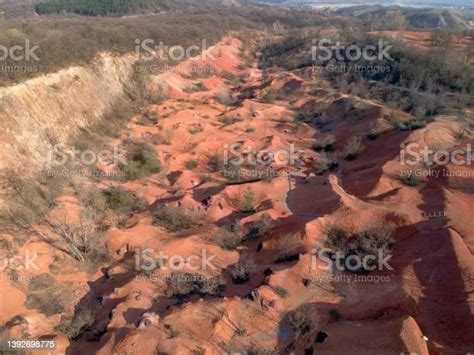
<point>46,110</point>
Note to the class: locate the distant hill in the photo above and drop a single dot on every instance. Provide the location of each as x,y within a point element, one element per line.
<point>414,18</point>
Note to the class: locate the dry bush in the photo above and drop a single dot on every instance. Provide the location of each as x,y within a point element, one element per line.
<point>336,237</point>
<point>242,271</point>
<point>352,148</point>
<point>142,161</point>
<point>182,284</point>
<point>45,295</point>
<point>225,98</point>
<point>410,179</point>
<point>191,164</point>
<point>100,133</point>
<point>374,240</point>
<point>245,202</point>
<point>123,201</point>
<point>230,120</point>
<point>261,227</point>
<point>325,143</point>
<point>229,240</point>
<point>76,325</point>
<point>199,87</point>
<point>299,321</point>
<point>323,164</point>
<point>288,246</point>
<point>176,219</point>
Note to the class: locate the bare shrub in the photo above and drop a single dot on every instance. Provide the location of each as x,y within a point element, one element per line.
<point>410,179</point>
<point>299,321</point>
<point>323,164</point>
<point>230,120</point>
<point>175,219</point>
<point>228,239</point>
<point>225,98</point>
<point>76,325</point>
<point>181,284</point>
<point>142,161</point>
<point>352,148</point>
<point>261,227</point>
<point>244,202</point>
<point>123,201</point>
<point>375,241</point>
<point>241,271</point>
<point>325,143</point>
<point>288,246</point>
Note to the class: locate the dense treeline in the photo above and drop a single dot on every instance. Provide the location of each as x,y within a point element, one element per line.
<point>99,8</point>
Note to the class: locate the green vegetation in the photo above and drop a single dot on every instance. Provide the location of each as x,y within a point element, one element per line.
<point>199,87</point>
<point>98,8</point>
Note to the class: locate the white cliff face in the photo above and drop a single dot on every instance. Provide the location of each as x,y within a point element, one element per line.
<point>52,107</point>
